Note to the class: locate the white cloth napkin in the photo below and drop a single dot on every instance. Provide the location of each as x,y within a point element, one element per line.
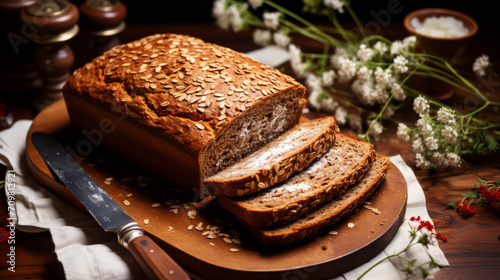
<point>87,252</point>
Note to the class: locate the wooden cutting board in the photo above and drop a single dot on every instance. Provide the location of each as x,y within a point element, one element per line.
<point>161,211</point>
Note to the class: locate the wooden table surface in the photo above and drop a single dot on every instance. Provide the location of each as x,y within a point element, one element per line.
<point>473,247</point>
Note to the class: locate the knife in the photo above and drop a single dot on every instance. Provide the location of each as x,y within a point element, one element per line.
<point>156,263</point>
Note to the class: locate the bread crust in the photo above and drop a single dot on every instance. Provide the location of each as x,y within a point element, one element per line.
<point>337,209</point>
<point>293,209</point>
<point>278,172</point>
<point>178,88</point>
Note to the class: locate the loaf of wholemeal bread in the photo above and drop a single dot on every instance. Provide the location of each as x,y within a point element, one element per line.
<point>275,162</point>
<point>181,108</point>
<point>331,212</point>
<point>343,165</point>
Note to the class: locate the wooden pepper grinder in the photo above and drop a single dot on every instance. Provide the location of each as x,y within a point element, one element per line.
<point>17,72</point>
<point>100,21</point>
<point>54,58</point>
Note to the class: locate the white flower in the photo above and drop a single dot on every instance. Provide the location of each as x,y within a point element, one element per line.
<point>355,122</point>
<point>328,78</point>
<point>376,129</point>
<point>364,54</point>
<point>421,106</point>
<point>381,94</point>
<point>336,58</point>
<point>255,3</point>
<point>431,143</point>
<point>398,92</point>
<point>347,69</point>
<point>314,85</point>
<point>364,73</point>
<point>445,116</point>
<point>425,127</point>
<point>328,105</point>
<point>417,145</point>
<point>382,77</point>
<point>400,64</point>
<point>218,8</point>
<point>262,37</point>
<point>271,19</point>
<point>235,18</point>
<point>364,91</point>
<point>340,115</point>
<point>281,39</point>
<point>480,65</point>
<point>453,160</point>
<point>410,41</point>
<point>402,133</point>
<point>449,134</point>
<point>380,47</point>
<point>296,61</point>
<point>335,4</point>
<point>421,162</point>
<point>399,47</point>
<point>439,159</point>
<point>220,14</point>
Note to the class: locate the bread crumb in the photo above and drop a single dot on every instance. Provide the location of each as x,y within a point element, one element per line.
<point>234,250</point>
<point>333,232</point>
<point>146,221</point>
<point>126,202</point>
<point>190,227</point>
<point>350,225</point>
<point>192,214</point>
<point>156,205</point>
<point>372,230</point>
<point>374,210</point>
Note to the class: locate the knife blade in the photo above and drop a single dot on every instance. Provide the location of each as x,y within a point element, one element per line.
<point>156,263</point>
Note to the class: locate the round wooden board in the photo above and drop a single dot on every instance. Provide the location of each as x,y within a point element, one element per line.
<point>321,257</point>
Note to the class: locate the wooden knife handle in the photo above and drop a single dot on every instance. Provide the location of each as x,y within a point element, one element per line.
<point>155,262</point>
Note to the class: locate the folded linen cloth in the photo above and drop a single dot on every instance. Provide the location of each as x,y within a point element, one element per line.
<point>87,252</point>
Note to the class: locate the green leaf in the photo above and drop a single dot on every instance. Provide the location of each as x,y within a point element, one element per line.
<point>2,184</point>
<point>451,204</point>
<point>482,201</point>
<point>476,186</point>
<point>472,194</point>
<point>425,273</point>
<point>482,181</point>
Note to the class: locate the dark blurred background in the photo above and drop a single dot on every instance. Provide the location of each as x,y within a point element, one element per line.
<point>185,11</point>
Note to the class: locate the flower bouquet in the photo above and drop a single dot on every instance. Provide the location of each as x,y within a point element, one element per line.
<point>364,80</point>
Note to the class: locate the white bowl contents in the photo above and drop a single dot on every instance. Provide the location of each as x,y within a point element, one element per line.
<point>440,27</point>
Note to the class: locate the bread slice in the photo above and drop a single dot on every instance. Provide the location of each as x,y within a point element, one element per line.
<point>330,213</point>
<point>275,162</point>
<point>343,165</point>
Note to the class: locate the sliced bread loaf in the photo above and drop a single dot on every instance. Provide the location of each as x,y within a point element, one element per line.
<point>330,213</point>
<point>275,162</point>
<point>343,165</point>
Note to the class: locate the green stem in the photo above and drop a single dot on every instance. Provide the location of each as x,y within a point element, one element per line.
<point>386,258</point>
<point>311,26</point>
<point>307,33</point>
<point>356,19</point>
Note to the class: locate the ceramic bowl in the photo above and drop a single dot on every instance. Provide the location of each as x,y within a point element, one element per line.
<point>448,48</point>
